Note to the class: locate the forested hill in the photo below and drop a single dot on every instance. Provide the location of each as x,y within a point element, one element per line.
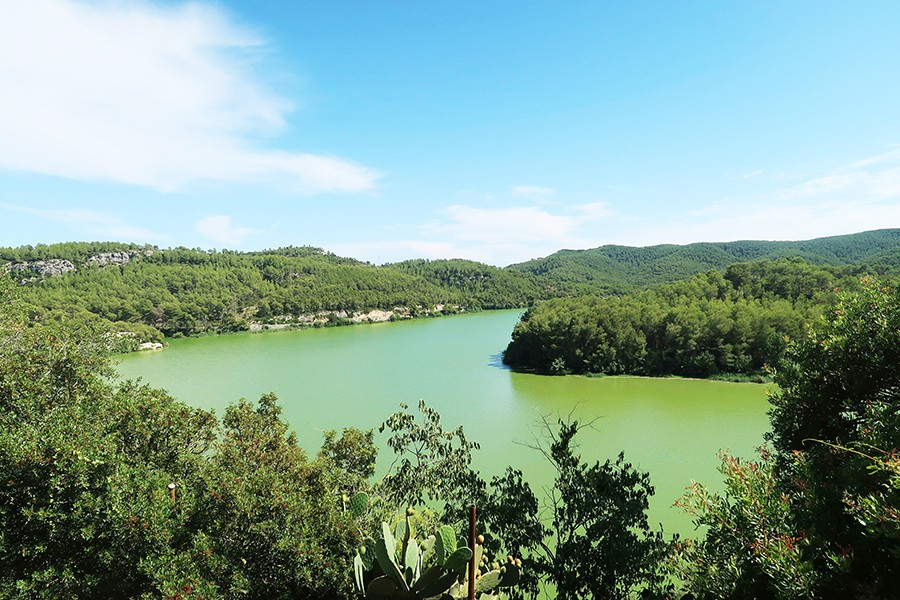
<point>485,285</point>
<point>151,292</point>
<point>154,292</point>
<point>623,268</point>
<point>731,322</point>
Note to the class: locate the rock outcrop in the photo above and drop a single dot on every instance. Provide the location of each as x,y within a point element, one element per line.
<point>44,268</point>
<point>116,258</point>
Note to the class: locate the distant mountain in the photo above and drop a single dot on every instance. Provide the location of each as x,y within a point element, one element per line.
<point>624,268</point>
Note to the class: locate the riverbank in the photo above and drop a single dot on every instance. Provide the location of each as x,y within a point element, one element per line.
<point>324,318</point>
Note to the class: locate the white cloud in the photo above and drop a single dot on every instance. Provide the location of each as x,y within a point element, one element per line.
<point>218,228</point>
<point>144,95</point>
<point>862,195</point>
<point>595,211</point>
<point>501,225</point>
<point>872,178</point>
<point>752,174</point>
<point>94,223</point>
<point>535,192</point>
<point>766,221</point>
<point>498,236</point>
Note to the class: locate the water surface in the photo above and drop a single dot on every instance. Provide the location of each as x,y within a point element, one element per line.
<point>357,376</point>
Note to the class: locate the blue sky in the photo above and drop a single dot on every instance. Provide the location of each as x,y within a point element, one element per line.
<point>497,131</point>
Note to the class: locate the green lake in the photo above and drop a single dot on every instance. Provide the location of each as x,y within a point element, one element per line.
<point>356,376</point>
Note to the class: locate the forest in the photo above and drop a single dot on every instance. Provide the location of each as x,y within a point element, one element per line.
<point>116,490</point>
<point>619,269</point>
<point>180,291</point>
<point>732,322</point>
<point>139,293</point>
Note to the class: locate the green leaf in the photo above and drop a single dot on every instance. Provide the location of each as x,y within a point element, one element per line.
<point>457,561</point>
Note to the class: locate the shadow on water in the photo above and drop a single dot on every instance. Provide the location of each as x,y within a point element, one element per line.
<point>496,361</point>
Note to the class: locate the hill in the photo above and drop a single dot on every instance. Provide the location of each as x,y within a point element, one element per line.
<point>735,321</point>
<point>152,292</point>
<point>485,285</point>
<point>142,293</point>
<point>618,269</point>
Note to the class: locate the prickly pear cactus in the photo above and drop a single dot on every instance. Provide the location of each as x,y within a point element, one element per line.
<point>397,565</point>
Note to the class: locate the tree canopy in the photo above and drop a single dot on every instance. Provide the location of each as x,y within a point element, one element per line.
<point>736,321</point>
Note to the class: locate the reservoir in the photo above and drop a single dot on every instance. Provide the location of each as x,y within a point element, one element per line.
<point>357,376</point>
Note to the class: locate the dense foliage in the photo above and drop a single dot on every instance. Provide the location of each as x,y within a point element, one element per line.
<point>146,293</point>
<point>589,539</point>
<point>486,286</point>
<point>184,291</point>
<point>732,322</point>
<point>86,509</point>
<point>818,515</point>
<point>116,490</point>
<point>619,269</point>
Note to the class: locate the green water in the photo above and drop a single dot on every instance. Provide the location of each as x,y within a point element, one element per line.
<point>356,376</point>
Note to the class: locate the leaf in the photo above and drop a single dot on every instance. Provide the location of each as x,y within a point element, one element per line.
<point>457,561</point>
<point>381,587</point>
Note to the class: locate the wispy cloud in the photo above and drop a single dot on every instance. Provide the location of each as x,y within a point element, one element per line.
<point>859,196</point>
<point>594,211</point>
<point>218,228</point>
<point>534,192</point>
<point>92,222</point>
<point>752,174</point>
<point>500,225</point>
<point>496,235</point>
<point>872,178</point>
<point>145,95</point>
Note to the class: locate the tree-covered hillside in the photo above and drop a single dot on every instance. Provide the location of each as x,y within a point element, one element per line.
<point>143,293</point>
<point>619,269</point>
<point>485,285</point>
<point>152,292</point>
<point>736,321</point>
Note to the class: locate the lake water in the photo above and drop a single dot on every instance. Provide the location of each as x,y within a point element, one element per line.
<point>357,376</point>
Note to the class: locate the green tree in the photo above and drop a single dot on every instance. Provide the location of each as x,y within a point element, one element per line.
<point>840,390</point>
<point>818,517</point>
<point>86,508</point>
<point>593,539</point>
<point>431,465</point>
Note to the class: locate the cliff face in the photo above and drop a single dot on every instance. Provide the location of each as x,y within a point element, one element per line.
<point>59,266</point>
<point>44,268</point>
<point>114,258</point>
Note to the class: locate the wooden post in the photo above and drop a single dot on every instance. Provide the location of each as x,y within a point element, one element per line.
<point>472,542</point>
<point>172,489</point>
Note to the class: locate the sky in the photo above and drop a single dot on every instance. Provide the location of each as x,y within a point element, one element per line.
<point>496,131</point>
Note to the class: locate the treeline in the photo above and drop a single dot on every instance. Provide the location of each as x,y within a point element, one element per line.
<point>619,269</point>
<point>486,286</point>
<point>141,293</point>
<point>732,322</point>
<point>185,291</point>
